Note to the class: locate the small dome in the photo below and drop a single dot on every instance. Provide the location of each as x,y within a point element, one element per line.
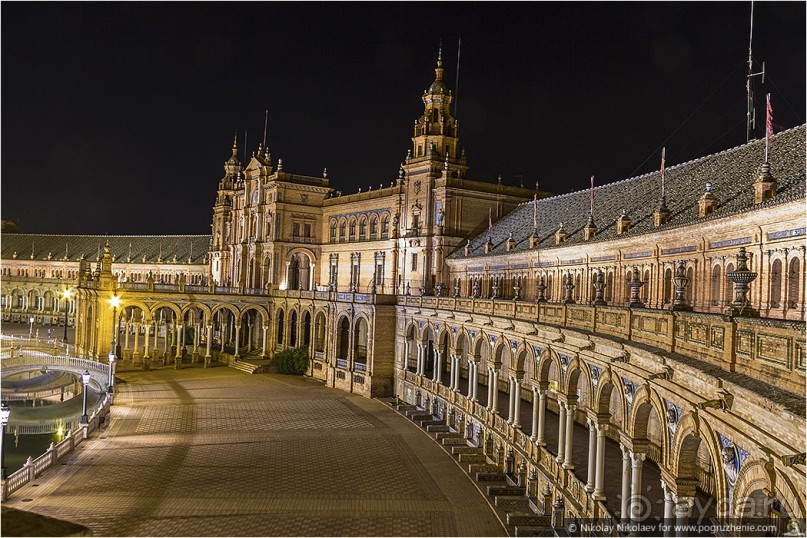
<point>438,86</point>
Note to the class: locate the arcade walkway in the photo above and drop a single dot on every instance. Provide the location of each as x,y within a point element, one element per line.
<point>217,452</point>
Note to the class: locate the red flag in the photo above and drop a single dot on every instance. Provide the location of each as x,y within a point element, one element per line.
<point>490,218</point>
<point>592,196</point>
<point>663,154</point>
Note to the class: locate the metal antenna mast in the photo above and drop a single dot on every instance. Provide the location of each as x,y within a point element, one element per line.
<point>751,116</point>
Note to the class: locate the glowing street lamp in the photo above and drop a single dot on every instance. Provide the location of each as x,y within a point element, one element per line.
<point>5,412</point>
<point>85,380</point>
<point>66,296</point>
<point>31,328</point>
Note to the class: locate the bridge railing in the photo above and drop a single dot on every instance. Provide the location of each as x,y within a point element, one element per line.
<point>34,467</point>
<point>25,356</point>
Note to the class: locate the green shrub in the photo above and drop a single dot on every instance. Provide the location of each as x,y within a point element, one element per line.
<point>293,361</point>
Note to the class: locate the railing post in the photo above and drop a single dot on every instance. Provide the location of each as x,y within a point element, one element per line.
<point>52,452</point>
<point>29,466</point>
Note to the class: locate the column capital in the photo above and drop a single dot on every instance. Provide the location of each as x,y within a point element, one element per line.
<point>683,505</point>
<point>637,458</point>
<point>265,327</point>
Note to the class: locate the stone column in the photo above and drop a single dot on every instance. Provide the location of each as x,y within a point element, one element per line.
<point>624,514</point>
<point>263,340</point>
<point>683,509</point>
<point>539,437</point>
<point>669,510</point>
<point>511,393</point>
<point>599,479</point>
<point>237,337</point>
<point>196,339</point>
<point>534,434</point>
<point>516,403</point>
<point>457,374</point>
<point>208,344</point>
<point>126,353</point>
<point>567,462</point>
<point>475,381</point>
<point>436,371</point>
<point>147,337</point>
<point>592,455</point>
<point>637,506</point>
<point>453,359</point>
<point>136,354</point>
<point>495,389</point>
<point>417,362</point>
<point>407,348</point>
<point>470,378</point>
<point>561,431</point>
<point>179,330</point>
<point>490,389</point>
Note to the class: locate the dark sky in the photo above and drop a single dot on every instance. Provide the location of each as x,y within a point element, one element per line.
<point>117,118</point>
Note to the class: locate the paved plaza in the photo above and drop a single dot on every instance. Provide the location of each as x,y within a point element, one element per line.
<point>218,452</point>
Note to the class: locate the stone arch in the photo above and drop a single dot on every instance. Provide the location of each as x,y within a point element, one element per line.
<point>224,306</point>
<point>573,371</point>
<point>305,327</point>
<point>461,343</point>
<point>200,306</point>
<point>605,395</point>
<point>757,482</point>
<point>320,330</point>
<point>523,358</point>
<point>690,433</point>
<point>444,337</point>
<point>361,339</point>
<point>645,402</point>
<point>280,326</point>
<point>343,338</point>
<point>293,329</point>
<point>342,229</point>
<point>426,333</point>
<point>171,306</point>
<point>412,328</point>
<point>258,308</point>
<point>545,362</point>
<point>501,355</point>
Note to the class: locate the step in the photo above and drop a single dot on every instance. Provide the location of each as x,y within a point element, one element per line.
<point>245,367</point>
<point>527,518</point>
<point>465,450</point>
<point>449,435</point>
<point>516,503</point>
<point>473,458</point>
<point>504,490</point>
<point>434,428</point>
<point>533,530</point>
<point>432,422</point>
<point>449,441</point>
<point>418,417</point>
<point>489,477</point>
<point>485,468</point>
<point>403,407</point>
<point>414,410</point>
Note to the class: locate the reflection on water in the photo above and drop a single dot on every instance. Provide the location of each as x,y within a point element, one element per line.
<point>26,445</point>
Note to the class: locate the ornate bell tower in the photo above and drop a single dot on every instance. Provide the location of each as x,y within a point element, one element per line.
<point>221,228</point>
<point>435,159</point>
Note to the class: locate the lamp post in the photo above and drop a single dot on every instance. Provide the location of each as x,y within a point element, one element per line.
<point>5,412</point>
<point>85,380</point>
<point>111,383</point>
<point>66,296</point>
<point>115,302</point>
<point>31,328</point>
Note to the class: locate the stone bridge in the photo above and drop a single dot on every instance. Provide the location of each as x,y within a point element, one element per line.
<point>27,360</point>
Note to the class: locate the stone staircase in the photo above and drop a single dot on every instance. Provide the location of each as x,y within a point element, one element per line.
<point>253,367</point>
<point>508,500</point>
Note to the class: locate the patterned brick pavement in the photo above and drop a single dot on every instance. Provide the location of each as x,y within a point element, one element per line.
<point>221,453</point>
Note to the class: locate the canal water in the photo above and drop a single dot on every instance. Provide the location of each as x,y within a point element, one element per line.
<point>17,451</point>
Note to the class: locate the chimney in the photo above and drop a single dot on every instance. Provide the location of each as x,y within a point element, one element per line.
<point>511,243</point>
<point>661,215</point>
<point>590,229</point>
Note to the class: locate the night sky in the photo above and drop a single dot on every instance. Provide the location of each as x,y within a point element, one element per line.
<point>117,118</point>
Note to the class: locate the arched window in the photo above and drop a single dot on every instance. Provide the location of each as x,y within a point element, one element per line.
<point>333,231</point>
<point>306,329</point>
<point>667,290</point>
<point>628,279</point>
<point>343,342</point>
<point>690,289</point>
<point>319,337</point>
<point>793,277</point>
<point>646,287</point>
<point>362,228</point>
<point>728,286</point>
<point>352,230</point>
<point>385,227</point>
<point>280,326</point>
<point>343,231</point>
<point>609,287</point>
<point>293,329</point>
<point>373,227</point>
<point>360,345</point>
<point>716,286</point>
<point>548,292</point>
<point>776,284</point>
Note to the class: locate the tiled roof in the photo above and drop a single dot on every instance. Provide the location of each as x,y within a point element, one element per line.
<point>183,247</point>
<point>732,173</point>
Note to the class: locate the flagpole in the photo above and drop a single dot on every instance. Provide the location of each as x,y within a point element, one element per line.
<point>663,155</point>
<point>591,202</point>
<point>768,125</point>
<point>535,212</point>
